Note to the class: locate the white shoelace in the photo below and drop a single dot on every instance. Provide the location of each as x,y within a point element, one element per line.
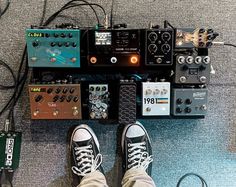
<point>87,163</point>
<point>138,156</point>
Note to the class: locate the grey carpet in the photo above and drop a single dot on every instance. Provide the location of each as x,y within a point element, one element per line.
<point>205,146</point>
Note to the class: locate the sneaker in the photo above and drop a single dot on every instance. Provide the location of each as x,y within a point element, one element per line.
<point>136,148</point>
<point>85,152</point>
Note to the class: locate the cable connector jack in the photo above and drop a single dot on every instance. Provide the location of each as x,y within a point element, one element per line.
<point>7,125</point>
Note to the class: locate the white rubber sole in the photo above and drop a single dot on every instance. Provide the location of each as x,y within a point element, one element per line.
<point>125,129</point>
<point>84,126</point>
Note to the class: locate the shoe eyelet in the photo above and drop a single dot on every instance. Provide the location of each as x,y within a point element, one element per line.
<point>91,151</point>
<point>129,150</point>
<point>144,143</point>
<point>90,146</point>
<point>128,166</point>
<point>144,148</point>
<point>129,155</point>
<point>128,144</point>
<point>128,160</point>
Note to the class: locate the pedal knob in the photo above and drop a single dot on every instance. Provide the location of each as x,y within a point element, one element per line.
<point>189,59</point>
<point>198,60</point>
<point>181,60</point>
<point>188,110</point>
<point>206,59</point>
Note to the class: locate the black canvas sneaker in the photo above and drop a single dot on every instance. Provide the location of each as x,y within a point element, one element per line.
<point>85,152</point>
<point>136,148</point>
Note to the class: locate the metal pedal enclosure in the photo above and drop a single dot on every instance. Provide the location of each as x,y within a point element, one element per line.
<point>189,102</point>
<point>127,102</point>
<point>98,101</point>
<point>10,146</point>
<point>155,98</point>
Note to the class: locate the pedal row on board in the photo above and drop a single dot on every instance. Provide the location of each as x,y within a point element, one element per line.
<point>102,74</point>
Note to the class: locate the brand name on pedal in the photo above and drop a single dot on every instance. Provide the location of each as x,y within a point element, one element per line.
<point>9,151</point>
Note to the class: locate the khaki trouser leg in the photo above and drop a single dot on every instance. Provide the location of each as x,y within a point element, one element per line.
<point>94,179</point>
<point>137,178</point>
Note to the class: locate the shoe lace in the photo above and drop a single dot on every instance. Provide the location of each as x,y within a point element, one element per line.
<point>138,157</point>
<point>86,162</point>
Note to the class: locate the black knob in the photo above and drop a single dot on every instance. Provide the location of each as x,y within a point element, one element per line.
<point>188,101</point>
<point>165,48</point>
<point>56,35</point>
<point>76,98</point>
<point>188,110</point>
<point>70,35</point>
<point>104,88</point>
<point>63,35</point>
<point>35,44</point>
<point>72,90</point>
<point>69,98</point>
<point>47,35</point>
<point>58,90</point>
<point>55,98</point>
<point>59,44</point>
<point>91,88</point>
<point>179,101</point>
<point>178,110</point>
<point>74,44</point>
<point>67,44</point>
<point>201,30</point>
<point>38,98</point>
<point>49,90</point>
<point>53,44</point>
<point>97,88</point>
<point>65,90</point>
<point>62,98</point>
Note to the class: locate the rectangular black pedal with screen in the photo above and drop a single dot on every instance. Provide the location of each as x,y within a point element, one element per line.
<point>127,102</point>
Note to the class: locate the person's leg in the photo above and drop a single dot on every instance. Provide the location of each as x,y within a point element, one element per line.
<point>137,157</point>
<point>86,158</point>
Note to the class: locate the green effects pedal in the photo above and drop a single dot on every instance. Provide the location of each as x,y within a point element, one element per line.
<point>10,145</point>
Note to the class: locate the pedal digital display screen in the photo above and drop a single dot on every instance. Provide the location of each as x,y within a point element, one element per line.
<point>102,38</point>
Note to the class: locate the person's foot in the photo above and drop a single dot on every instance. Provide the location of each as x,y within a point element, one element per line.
<point>136,148</point>
<point>85,152</point>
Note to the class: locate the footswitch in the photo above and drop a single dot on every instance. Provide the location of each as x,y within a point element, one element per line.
<point>155,98</point>
<point>55,101</point>
<point>189,102</point>
<point>127,102</point>
<point>98,101</point>
<point>192,69</point>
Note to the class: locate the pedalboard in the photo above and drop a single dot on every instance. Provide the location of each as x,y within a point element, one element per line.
<point>192,69</point>
<point>53,48</point>
<point>98,101</point>
<point>10,146</point>
<point>156,98</point>
<point>189,101</point>
<point>159,47</point>
<point>108,48</point>
<point>127,102</point>
<point>55,101</point>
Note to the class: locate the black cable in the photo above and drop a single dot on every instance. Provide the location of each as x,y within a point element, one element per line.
<point>204,184</point>
<point>228,44</point>
<point>44,12</point>
<point>166,24</point>
<point>2,12</point>
<point>72,4</point>
<point>4,87</point>
<point>111,17</point>
<point>52,17</point>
